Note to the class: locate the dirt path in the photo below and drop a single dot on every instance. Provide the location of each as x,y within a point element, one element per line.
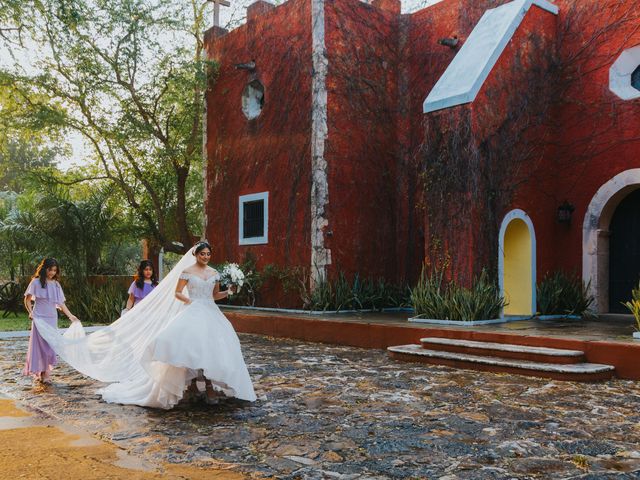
<point>37,448</point>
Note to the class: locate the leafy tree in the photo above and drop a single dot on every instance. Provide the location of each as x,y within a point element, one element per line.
<point>11,27</point>
<point>129,76</point>
<point>14,248</point>
<point>18,159</point>
<point>85,231</point>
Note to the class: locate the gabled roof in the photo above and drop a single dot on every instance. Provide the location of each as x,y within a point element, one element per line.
<point>463,78</point>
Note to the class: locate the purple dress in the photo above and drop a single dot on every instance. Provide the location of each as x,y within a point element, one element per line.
<point>40,356</point>
<point>140,293</point>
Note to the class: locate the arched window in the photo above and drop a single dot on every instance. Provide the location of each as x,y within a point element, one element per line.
<point>635,78</point>
<point>253,99</point>
<point>624,74</point>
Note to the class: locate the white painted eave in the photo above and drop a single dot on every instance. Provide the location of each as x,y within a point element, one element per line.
<point>467,72</point>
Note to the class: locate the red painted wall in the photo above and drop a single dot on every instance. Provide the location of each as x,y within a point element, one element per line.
<point>423,62</point>
<point>599,133</point>
<point>381,68</point>
<point>593,135</point>
<point>587,136</point>
<point>270,153</point>
<point>361,150</point>
<point>515,145</point>
<point>456,223</point>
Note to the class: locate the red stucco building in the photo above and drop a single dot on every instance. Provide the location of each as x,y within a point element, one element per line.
<point>349,137</point>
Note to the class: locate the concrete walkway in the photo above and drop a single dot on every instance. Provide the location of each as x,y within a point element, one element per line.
<point>607,327</point>
<point>616,328</point>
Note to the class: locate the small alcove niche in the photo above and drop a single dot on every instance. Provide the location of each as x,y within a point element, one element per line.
<point>624,74</point>
<point>253,99</point>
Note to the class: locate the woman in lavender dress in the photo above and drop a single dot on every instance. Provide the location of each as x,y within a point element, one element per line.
<point>144,282</point>
<point>45,290</point>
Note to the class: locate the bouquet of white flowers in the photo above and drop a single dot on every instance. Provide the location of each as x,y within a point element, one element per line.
<point>232,275</point>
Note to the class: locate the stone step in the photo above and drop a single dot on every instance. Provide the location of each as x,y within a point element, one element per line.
<point>580,372</point>
<point>504,350</point>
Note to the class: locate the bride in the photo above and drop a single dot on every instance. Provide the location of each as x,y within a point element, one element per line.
<point>157,350</point>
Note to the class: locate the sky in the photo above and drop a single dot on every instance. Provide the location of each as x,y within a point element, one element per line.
<point>230,17</point>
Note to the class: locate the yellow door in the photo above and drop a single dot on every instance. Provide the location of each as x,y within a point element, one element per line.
<point>518,281</point>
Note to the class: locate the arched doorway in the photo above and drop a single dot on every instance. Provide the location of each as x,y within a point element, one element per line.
<point>517,264</point>
<point>624,251</point>
<point>597,238</point>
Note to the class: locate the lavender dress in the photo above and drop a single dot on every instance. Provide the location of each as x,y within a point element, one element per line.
<point>140,293</point>
<point>40,356</point>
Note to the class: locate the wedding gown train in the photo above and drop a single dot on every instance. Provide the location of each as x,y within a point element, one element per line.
<point>150,355</point>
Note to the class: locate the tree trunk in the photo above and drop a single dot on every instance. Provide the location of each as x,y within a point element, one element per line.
<point>181,208</point>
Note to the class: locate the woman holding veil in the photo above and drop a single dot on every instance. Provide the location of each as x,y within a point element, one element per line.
<point>151,354</point>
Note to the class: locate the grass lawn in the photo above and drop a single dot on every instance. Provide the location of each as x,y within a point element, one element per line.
<point>22,322</point>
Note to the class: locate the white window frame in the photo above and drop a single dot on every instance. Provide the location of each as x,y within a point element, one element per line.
<point>252,198</point>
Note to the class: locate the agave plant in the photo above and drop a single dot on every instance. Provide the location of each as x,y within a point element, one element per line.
<point>634,305</point>
<point>433,297</point>
<point>357,294</point>
<point>563,294</point>
<point>10,299</point>
<point>428,296</point>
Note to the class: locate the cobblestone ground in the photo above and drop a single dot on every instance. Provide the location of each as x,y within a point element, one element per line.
<point>339,412</point>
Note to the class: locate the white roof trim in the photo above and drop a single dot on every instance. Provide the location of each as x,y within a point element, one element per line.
<point>463,78</point>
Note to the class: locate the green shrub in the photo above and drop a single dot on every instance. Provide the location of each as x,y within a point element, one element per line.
<point>634,305</point>
<point>330,295</point>
<point>254,281</point>
<point>338,294</point>
<point>428,297</point>
<point>562,294</point>
<point>96,304</point>
<point>358,294</point>
<point>434,297</point>
<point>377,294</point>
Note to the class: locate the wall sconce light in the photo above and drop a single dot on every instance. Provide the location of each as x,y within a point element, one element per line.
<point>565,211</point>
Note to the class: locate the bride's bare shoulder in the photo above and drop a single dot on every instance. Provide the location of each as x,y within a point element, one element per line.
<point>193,268</point>
<point>186,272</point>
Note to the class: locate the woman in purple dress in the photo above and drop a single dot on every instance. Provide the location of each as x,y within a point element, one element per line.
<point>144,282</point>
<point>45,290</point>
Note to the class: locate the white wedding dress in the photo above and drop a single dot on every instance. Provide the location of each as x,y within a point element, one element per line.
<point>151,354</point>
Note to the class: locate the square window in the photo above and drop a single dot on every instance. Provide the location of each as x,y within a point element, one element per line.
<point>253,218</point>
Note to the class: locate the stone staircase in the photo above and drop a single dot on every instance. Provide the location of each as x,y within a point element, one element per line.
<point>559,364</point>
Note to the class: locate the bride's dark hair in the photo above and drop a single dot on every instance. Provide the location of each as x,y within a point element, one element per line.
<point>41,271</point>
<point>139,276</point>
<point>201,246</point>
